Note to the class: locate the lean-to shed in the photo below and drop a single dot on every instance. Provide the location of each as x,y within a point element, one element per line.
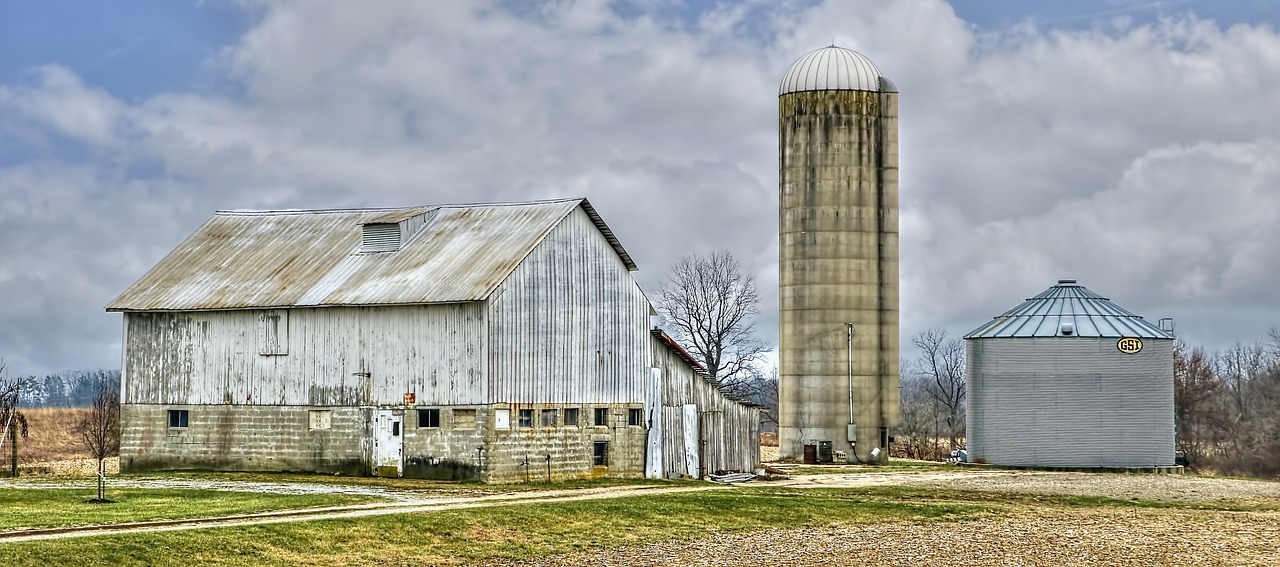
<point>1070,379</point>
<point>704,430</point>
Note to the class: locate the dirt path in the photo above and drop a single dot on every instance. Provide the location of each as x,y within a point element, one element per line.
<point>354,511</point>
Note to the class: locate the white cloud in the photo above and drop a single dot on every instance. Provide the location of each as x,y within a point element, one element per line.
<point>61,101</point>
<point>1139,159</point>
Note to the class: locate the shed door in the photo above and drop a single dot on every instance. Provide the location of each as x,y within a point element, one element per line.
<point>388,442</point>
<point>691,437</point>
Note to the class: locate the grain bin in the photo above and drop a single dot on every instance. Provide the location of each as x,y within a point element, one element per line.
<point>1070,379</point>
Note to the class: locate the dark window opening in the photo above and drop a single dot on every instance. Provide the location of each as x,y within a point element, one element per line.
<point>548,418</point>
<point>177,418</point>
<point>600,454</point>
<point>395,429</point>
<point>602,417</point>
<point>570,417</point>
<point>429,417</point>
<point>526,418</point>
<point>635,416</point>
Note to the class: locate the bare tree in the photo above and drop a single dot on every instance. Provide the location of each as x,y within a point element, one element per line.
<point>713,306</point>
<point>942,363</point>
<point>99,430</point>
<point>12,422</point>
<point>919,418</point>
<point>1197,404</point>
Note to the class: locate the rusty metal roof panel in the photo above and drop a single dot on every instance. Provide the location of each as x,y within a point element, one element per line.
<point>253,259</point>
<point>1083,312</point>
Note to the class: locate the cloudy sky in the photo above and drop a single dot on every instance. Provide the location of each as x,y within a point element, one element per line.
<point>1133,145</point>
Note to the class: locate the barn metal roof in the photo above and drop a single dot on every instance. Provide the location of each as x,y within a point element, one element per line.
<point>832,69</point>
<point>1087,313</point>
<point>256,259</point>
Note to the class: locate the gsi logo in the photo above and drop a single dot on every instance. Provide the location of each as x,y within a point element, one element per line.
<point>1129,345</point>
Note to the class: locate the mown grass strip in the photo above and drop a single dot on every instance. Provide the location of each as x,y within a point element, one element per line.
<point>58,507</point>
<point>506,533</point>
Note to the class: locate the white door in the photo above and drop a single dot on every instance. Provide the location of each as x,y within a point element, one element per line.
<point>691,440</point>
<point>388,442</point>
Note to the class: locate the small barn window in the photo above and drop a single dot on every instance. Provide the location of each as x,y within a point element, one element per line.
<point>177,418</point>
<point>502,419</point>
<point>548,418</point>
<point>570,417</point>
<point>273,333</point>
<point>600,454</point>
<point>429,417</point>
<point>635,416</point>
<point>526,418</point>
<point>601,417</point>
<point>464,419</point>
<point>319,419</point>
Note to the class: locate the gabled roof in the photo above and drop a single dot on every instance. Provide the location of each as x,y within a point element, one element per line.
<point>1089,315</point>
<point>255,259</point>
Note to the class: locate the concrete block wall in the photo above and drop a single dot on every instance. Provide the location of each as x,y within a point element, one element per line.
<point>571,449</point>
<point>242,438</point>
<point>447,452</point>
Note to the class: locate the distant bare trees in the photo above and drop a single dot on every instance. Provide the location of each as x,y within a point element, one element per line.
<point>932,397</point>
<point>1227,407</point>
<point>712,306</point>
<point>99,430</point>
<point>12,422</point>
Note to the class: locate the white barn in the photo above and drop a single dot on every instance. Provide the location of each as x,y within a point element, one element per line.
<point>497,342</point>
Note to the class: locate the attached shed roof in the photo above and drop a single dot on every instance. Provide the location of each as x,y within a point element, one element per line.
<point>1089,315</point>
<point>255,259</point>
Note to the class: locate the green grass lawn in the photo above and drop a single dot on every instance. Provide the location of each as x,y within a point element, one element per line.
<point>504,533</point>
<point>58,507</point>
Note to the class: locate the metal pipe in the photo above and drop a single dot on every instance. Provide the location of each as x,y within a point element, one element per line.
<point>850,327</point>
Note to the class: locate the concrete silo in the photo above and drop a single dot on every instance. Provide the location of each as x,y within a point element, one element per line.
<point>1070,379</point>
<point>838,256</point>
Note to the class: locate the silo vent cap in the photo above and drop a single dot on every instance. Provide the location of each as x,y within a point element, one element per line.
<point>1067,328</point>
<point>1066,281</point>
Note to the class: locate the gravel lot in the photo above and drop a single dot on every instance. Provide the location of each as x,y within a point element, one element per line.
<point>1050,535</point>
<point>1120,537</point>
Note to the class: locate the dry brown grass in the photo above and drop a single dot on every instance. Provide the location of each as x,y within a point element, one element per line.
<point>52,437</point>
<point>769,439</point>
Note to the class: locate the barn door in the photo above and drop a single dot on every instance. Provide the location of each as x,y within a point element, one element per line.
<point>388,442</point>
<point>691,437</point>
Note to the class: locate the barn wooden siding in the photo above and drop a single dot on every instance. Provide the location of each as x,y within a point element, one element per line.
<point>339,356</point>
<point>1070,402</point>
<point>728,431</point>
<point>569,325</point>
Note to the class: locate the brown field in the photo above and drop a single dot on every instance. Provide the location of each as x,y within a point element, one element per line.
<point>51,437</point>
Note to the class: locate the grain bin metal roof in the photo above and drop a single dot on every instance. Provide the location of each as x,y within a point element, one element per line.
<point>1090,315</point>
<point>832,69</point>
<point>254,259</point>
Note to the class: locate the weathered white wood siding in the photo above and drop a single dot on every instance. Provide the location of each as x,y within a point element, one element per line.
<point>1070,402</point>
<point>728,431</point>
<point>569,325</point>
<point>214,357</point>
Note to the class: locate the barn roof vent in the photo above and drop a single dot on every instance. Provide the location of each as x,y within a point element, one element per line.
<point>381,237</point>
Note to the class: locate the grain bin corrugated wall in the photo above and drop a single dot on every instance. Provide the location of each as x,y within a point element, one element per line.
<point>1050,386</point>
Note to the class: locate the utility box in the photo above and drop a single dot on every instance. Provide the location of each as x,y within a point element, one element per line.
<point>824,451</point>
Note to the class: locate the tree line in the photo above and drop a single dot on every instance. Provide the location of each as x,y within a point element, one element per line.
<point>1227,407</point>
<point>67,389</point>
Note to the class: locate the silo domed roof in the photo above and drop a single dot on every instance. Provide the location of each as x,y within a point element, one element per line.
<point>1089,315</point>
<point>832,69</point>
